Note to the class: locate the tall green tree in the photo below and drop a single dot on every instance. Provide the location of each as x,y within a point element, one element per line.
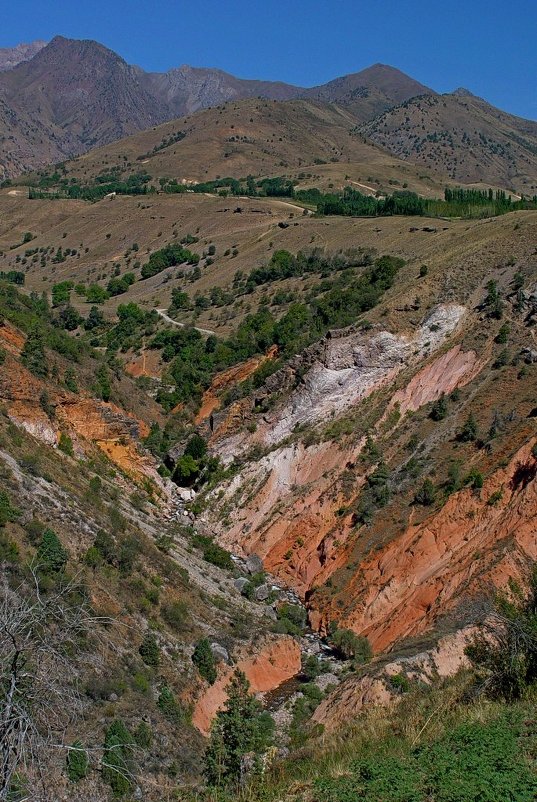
<point>241,728</point>
<point>33,353</point>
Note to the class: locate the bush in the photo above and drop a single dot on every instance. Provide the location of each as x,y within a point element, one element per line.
<point>468,433</point>
<point>426,494</point>
<point>504,653</point>
<point>8,513</point>
<point>204,661</point>
<point>77,762</point>
<point>175,615</point>
<point>65,444</point>
<point>169,706</point>
<point>351,646</point>
<point>117,759</point>
<point>149,650</point>
<point>439,409</point>
<point>51,555</point>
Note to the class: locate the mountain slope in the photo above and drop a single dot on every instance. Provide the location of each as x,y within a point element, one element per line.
<point>370,92</point>
<point>463,136</point>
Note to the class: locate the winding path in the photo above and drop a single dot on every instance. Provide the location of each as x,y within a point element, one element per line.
<point>168,319</point>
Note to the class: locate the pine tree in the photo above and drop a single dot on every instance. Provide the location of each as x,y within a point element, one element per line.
<point>203,659</point>
<point>240,728</point>
<point>33,354</point>
<point>51,555</point>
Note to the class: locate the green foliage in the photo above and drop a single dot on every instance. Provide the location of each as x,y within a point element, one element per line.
<point>65,444</point>
<point>468,433</point>
<point>186,470</point>
<point>196,447</point>
<point>351,646</point>
<point>168,256</point>
<point>33,353</point>
<point>175,614</point>
<point>474,762</point>
<point>493,302</point>
<point>7,511</point>
<point>439,408</point>
<point>149,650</point>
<point>77,762</point>
<point>292,619</point>
<point>204,661</point>
<point>61,293</point>
<point>503,334</point>
<point>212,552</point>
<point>143,735</point>
<point>311,668</point>
<point>95,294</point>
<point>194,361</point>
<point>504,652</point>
<point>117,761</point>
<point>70,381</point>
<point>119,285</point>
<point>51,555</point>
<point>169,706</point>
<point>240,728</point>
<point>426,494</point>
<point>103,385</point>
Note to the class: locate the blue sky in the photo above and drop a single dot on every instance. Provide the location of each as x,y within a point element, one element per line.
<point>488,47</point>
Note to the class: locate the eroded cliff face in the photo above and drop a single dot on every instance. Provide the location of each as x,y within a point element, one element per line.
<point>469,545</point>
<point>87,421</point>
<point>290,505</point>
<point>266,665</point>
<point>375,686</point>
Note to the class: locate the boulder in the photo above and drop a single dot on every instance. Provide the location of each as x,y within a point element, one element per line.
<point>270,612</point>
<point>241,583</point>
<point>262,592</point>
<point>219,652</point>
<point>254,564</point>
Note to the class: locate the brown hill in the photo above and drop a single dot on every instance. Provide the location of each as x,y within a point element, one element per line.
<point>463,136</point>
<point>313,142</point>
<point>370,92</point>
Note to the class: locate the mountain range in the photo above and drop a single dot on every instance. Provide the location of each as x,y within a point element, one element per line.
<point>64,98</point>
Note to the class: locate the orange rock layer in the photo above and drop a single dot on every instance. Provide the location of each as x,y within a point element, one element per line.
<point>274,661</point>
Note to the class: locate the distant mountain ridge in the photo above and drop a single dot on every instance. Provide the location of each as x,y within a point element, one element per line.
<point>11,56</point>
<point>73,95</point>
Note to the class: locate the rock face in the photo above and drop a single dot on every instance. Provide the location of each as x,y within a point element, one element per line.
<point>375,687</point>
<point>465,548</point>
<point>273,661</point>
<point>87,421</point>
<point>289,512</point>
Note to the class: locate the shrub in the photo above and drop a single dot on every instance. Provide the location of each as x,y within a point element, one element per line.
<point>504,653</point>
<point>426,494</point>
<point>117,759</point>
<point>149,650</point>
<point>65,444</point>
<point>169,706</point>
<point>51,555</point>
<point>468,432</point>
<point>175,614</point>
<point>351,646</point>
<point>204,661</point>
<point>77,762</point>
<point>439,409</point>
<point>8,513</point>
